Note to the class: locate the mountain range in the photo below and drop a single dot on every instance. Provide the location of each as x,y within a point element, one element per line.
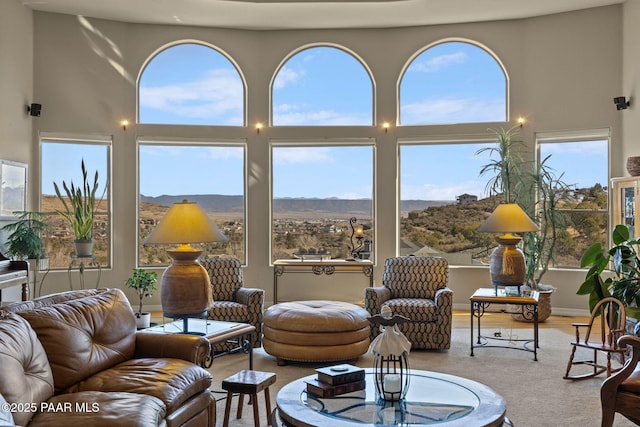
<point>230,204</point>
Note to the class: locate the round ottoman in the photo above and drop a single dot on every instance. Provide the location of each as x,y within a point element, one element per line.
<point>315,331</point>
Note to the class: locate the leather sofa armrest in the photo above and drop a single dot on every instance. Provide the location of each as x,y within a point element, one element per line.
<point>192,348</point>
<point>375,297</point>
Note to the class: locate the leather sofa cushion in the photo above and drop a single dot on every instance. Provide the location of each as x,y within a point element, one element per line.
<point>6,419</point>
<point>84,336</point>
<point>24,368</point>
<point>316,339</point>
<point>96,409</point>
<point>173,381</point>
<point>316,316</point>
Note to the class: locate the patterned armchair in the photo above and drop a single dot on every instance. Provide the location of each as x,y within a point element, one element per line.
<point>231,301</point>
<point>416,288</point>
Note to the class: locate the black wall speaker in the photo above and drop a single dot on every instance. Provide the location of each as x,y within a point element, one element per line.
<point>34,109</point>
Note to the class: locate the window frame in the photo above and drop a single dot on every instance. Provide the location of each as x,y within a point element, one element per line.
<point>340,47</point>
<point>485,48</point>
<point>186,142</point>
<point>574,136</point>
<point>80,139</point>
<point>215,48</point>
<point>335,142</point>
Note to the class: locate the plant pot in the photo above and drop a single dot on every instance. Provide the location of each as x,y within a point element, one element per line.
<point>544,308</point>
<point>143,320</point>
<point>84,247</point>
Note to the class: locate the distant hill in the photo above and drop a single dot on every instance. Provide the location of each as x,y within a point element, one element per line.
<point>231,204</point>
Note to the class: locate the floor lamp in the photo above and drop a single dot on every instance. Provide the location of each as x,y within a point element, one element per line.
<point>184,289</point>
<point>508,266</point>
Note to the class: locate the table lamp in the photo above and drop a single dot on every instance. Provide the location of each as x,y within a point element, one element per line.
<point>184,289</point>
<point>508,267</point>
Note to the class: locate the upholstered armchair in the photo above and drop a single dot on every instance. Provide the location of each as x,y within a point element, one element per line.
<point>231,301</point>
<point>416,288</point>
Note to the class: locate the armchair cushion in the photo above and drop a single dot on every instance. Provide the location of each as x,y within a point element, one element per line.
<point>415,309</point>
<point>415,277</point>
<point>225,275</point>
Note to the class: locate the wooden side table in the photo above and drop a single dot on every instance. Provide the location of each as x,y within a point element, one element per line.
<point>251,383</point>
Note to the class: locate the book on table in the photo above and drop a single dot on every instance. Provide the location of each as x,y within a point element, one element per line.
<point>340,374</point>
<point>319,389</point>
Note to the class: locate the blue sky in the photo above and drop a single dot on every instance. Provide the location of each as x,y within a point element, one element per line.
<point>193,84</point>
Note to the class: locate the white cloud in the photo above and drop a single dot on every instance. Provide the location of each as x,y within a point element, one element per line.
<point>217,94</point>
<point>442,191</point>
<point>286,76</point>
<point>451,110</point>
<point>292,115</point>
<point>584,148</point>
<point>437,63</point>
<point>295,155</point>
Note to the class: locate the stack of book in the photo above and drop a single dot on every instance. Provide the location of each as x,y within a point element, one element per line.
<point>335,380</point>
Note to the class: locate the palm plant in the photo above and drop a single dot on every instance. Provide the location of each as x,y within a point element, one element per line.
<point>538,189</point>
<point>79,205</point>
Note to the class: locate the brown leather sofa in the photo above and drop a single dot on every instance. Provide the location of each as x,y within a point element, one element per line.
<point>75,359</point>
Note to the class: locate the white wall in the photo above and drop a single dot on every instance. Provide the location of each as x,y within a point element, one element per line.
<point>564,70</point>
<point>16,92</point>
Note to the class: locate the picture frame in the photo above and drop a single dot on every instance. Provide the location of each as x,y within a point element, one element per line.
<point>13,188</point>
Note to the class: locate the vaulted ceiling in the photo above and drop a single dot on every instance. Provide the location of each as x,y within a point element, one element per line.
<point>307,14</point>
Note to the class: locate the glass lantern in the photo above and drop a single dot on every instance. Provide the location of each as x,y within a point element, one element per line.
<point>391,357</point>
<point>391,376</point>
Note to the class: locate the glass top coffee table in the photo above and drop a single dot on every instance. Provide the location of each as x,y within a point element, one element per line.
<point>433,399</point>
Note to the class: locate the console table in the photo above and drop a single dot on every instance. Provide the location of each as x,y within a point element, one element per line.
<point>319,267</point>
<point>528,303</point>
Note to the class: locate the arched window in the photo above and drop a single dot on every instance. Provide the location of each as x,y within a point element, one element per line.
<point>191,84</point>
<point>322,86</point>
<point>453,82</point>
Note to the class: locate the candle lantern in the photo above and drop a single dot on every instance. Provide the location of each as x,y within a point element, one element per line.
<point>391,356</point>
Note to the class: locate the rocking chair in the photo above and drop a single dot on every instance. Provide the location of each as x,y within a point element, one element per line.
<point>610,327</point>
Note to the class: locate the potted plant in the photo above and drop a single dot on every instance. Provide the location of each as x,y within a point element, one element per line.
<point>540,191</point>
<point>144,282</point>
<point>624,283</point>
<point>79,209</point>
<point>24,241</point>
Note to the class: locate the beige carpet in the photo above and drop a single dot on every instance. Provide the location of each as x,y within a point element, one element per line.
<point>535,392</point>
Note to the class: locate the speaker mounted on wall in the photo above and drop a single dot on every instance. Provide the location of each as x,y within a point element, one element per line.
<point>34,109</point>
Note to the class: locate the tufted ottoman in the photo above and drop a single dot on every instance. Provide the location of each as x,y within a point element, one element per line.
<point>315,331</point>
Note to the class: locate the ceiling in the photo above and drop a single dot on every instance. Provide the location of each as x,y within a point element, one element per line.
<point>307,14</point>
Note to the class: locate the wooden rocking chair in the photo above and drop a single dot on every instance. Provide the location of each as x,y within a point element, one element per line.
<point>611,326</point>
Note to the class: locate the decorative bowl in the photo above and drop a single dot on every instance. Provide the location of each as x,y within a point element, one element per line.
<point>633,165</point>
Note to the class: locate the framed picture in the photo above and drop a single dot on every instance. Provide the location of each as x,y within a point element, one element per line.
<point>13,188</point>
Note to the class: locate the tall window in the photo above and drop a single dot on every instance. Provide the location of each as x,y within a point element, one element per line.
<point>191,84</point>
<point>315,192</point>
<point>584,165</point>
<point>210,175</point>
<point>322,86</point>
<point>443,202</point>
<point>453,82</point>
<point>61,162</point>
